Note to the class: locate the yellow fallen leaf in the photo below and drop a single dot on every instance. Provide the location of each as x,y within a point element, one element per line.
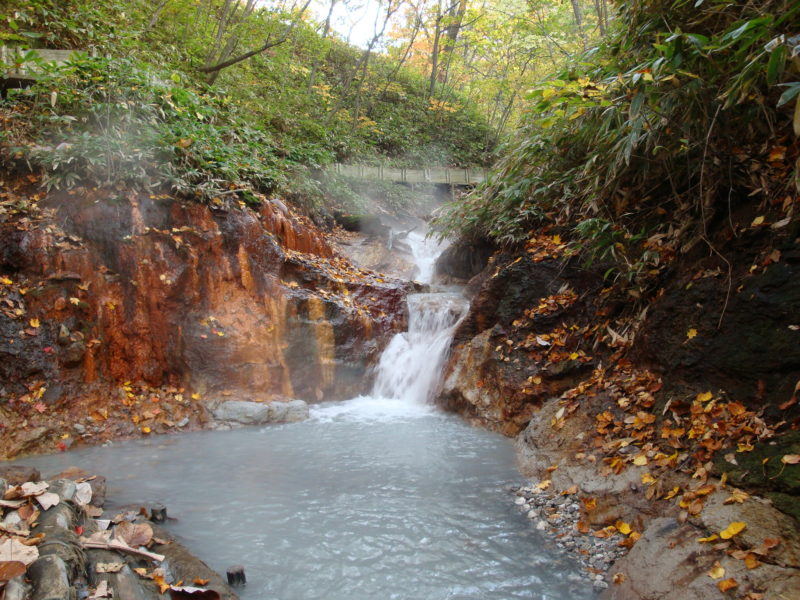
<point>648,479</point>
<point>34,323</point>
<point>733,529</point>
<point>537,380</point>
<point>790,459</point>
<point>543,485</point>
<point>727,584</point>
<point>713,537</point>
<point>146,430</point>
<point>623,528</point>
<point>704,397</point>
<point>640,460</point>
<point>74,300</point>
<point>5,281</point>
<point>574,356</point>
<point>691,333</point>
<point>757,221</point>
<point>717,571</point>
<point>556,239</point>
<point>195,396</point>
<point>618,578</point>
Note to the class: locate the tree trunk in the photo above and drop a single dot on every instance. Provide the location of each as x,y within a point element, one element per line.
<point>325,30</point>
<point>578,12</point>
<point>437,34</point>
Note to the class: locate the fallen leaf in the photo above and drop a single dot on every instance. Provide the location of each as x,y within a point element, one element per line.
<point>83,494</point>
<point>569,491</point>
<point>12,550</point>
<point>134,535</point>
<point>101,591</point>
<point>192,593</point>
<point>199,581</point>
<point>712,538</point>
<point>757,221</point>
<point>623,528</point>
<point>727,584</point>
<point>39,407</point>
<point>733,529</point>
<point>704,397</point>
<point>618,578</point>
<point>640,460</point>
<point>790,459</point>
<point>34,323</point>
<point>751,561</point>
<point>48,500</point>
<point>10,569</point>
<point>717,571</point>
<point>33,489</point>
<point>737,496</point>
<point>691,333</point>
<point>112,567</point>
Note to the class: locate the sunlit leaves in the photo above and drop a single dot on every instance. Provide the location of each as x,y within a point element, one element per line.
<point>732,530</point>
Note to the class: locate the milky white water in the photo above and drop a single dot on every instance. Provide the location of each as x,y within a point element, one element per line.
<point>377,498</point>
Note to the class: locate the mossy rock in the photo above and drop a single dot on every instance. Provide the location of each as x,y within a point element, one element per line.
<point>762,468</point>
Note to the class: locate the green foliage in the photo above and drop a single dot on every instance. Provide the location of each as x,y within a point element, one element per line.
<point>142,113</point>
<point>646,131</point>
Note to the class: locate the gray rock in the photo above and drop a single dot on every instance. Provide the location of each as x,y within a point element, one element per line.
<point>17,589</point>
<point>19,474</point>
<point>74,353</point>
<point>241,412</point>
<point>669,552</point>
<point>80,429</point>
<point>50,580</point>
<point>288,412</point>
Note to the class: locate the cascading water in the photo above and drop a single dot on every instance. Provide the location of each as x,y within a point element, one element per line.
<point>380,497</point>
<point>410,365</point>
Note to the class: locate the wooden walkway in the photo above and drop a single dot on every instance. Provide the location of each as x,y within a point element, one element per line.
<point>438,175</point>
<point>30,68</point>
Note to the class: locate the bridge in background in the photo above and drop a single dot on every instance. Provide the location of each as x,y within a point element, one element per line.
<point>29,69</point>
<point>454,176</point>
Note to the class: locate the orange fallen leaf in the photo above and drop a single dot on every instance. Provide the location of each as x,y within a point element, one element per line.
<point>751,561</point>
<point>790,459</point>
<point>618,578</point>
<point>34,323</point>
<point>727,584</point>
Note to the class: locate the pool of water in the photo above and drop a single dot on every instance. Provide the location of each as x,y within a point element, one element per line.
<point>370,499</point>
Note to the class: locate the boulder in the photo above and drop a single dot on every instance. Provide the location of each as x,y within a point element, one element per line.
<point>669,563</point>
<point>19,474</point>
<point>243,412</point>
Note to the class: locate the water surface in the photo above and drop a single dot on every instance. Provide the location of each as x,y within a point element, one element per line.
<point>371,499</point>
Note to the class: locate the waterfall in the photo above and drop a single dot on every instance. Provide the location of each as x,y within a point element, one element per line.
<point>410,365</point>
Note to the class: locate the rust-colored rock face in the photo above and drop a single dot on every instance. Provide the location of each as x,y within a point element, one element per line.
<point>152,290</point>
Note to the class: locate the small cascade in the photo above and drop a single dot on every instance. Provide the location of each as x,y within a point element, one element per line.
<point>425,251</point>
<point>410,365</point>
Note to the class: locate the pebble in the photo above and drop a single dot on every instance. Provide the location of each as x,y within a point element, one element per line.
<point>557,516</point>
<point>80,429</point>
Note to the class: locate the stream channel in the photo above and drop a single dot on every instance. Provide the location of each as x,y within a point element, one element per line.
<point>376,498</point>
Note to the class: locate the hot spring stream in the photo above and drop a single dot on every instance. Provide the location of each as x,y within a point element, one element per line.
<point>380,497</point>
